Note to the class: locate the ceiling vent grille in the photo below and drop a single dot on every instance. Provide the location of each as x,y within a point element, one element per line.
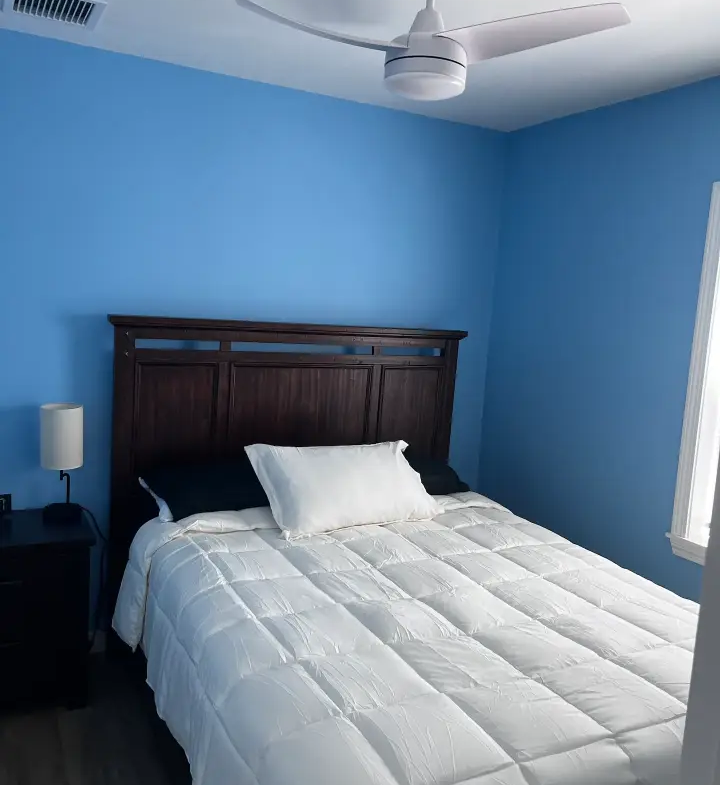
<point>79,13</point>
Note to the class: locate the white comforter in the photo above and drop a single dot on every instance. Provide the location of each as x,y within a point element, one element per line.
<point>477,648</point>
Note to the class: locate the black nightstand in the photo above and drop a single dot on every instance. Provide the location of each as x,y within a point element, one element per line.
<point>44,597</point>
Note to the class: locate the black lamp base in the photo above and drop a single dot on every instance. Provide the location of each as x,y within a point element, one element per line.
<point>67,514</point>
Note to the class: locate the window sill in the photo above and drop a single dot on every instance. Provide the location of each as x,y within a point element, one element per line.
<point>687,549</point>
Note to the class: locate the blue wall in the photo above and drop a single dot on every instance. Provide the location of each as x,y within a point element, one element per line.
<point>130,186</point>
<point>601,252</point>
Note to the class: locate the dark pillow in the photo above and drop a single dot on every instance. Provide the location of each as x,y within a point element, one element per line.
<point>438,478</point>
<point>212,486</point>
<point>231,484</point>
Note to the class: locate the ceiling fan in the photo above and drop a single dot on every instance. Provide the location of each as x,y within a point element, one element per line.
<point>430,63</point>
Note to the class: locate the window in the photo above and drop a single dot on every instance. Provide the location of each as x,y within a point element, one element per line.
<point>700,444</point>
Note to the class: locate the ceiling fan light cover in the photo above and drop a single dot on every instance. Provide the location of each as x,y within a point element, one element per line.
<point>431,68</point>
<point>425,79</point>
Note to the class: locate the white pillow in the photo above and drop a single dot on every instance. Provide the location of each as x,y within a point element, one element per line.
<point>246,520</point>
<point>319,489</point>
<point>164,512</point>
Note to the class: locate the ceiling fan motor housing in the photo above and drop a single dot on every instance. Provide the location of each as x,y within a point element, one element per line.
<point>432,68</point>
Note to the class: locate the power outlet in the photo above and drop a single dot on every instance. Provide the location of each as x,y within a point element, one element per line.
<point>5,502</point>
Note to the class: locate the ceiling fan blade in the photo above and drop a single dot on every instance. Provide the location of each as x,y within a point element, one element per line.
<point>507,36</point>
<point>365,43</point>
<point>343,12</point>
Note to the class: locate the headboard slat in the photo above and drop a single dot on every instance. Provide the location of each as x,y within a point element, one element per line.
<point>175,356</point>
<point>178,402</point>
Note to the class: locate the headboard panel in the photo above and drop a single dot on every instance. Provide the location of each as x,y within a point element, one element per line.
<point>196,389</point>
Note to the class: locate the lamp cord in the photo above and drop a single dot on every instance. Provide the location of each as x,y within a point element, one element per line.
<point>101,588</point>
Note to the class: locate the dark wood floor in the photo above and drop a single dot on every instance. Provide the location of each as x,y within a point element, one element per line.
<point>116,740</point>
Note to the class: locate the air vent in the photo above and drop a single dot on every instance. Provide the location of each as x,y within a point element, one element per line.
<point>79,13</point>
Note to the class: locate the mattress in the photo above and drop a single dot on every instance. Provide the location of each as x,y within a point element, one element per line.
<point>477,649</point>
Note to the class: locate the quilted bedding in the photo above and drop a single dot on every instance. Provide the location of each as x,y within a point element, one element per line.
<point>474,649</point>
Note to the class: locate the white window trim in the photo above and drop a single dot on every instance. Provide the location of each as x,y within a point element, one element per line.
<point>700,758</point>
<point>680,540</point>
<point>687,549</point>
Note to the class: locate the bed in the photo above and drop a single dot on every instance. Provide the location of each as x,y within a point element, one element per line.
<point>476,648</point>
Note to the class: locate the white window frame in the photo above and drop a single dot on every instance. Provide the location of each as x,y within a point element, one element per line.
<point>708,307</point>
<point>700,757</point>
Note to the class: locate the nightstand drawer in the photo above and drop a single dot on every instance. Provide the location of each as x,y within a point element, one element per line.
<point>48,568</point>
<point>44,593</point>
<point>47,606</point>
<point>12,612</point>
<point>37,565</point>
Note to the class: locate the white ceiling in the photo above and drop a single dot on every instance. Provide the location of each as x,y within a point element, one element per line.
<point>670,42</point>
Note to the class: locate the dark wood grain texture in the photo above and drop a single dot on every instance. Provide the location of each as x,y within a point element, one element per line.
<point>409,408</point>
<point>290,384</point>
<point>298,406</point>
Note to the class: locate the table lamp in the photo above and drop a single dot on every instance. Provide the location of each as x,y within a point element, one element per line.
<point>61,449</point>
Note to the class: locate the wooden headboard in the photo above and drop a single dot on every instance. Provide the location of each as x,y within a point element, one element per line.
<point>204,388</point>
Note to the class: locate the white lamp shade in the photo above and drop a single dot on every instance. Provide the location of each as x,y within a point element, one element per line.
<point>61,436</point>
